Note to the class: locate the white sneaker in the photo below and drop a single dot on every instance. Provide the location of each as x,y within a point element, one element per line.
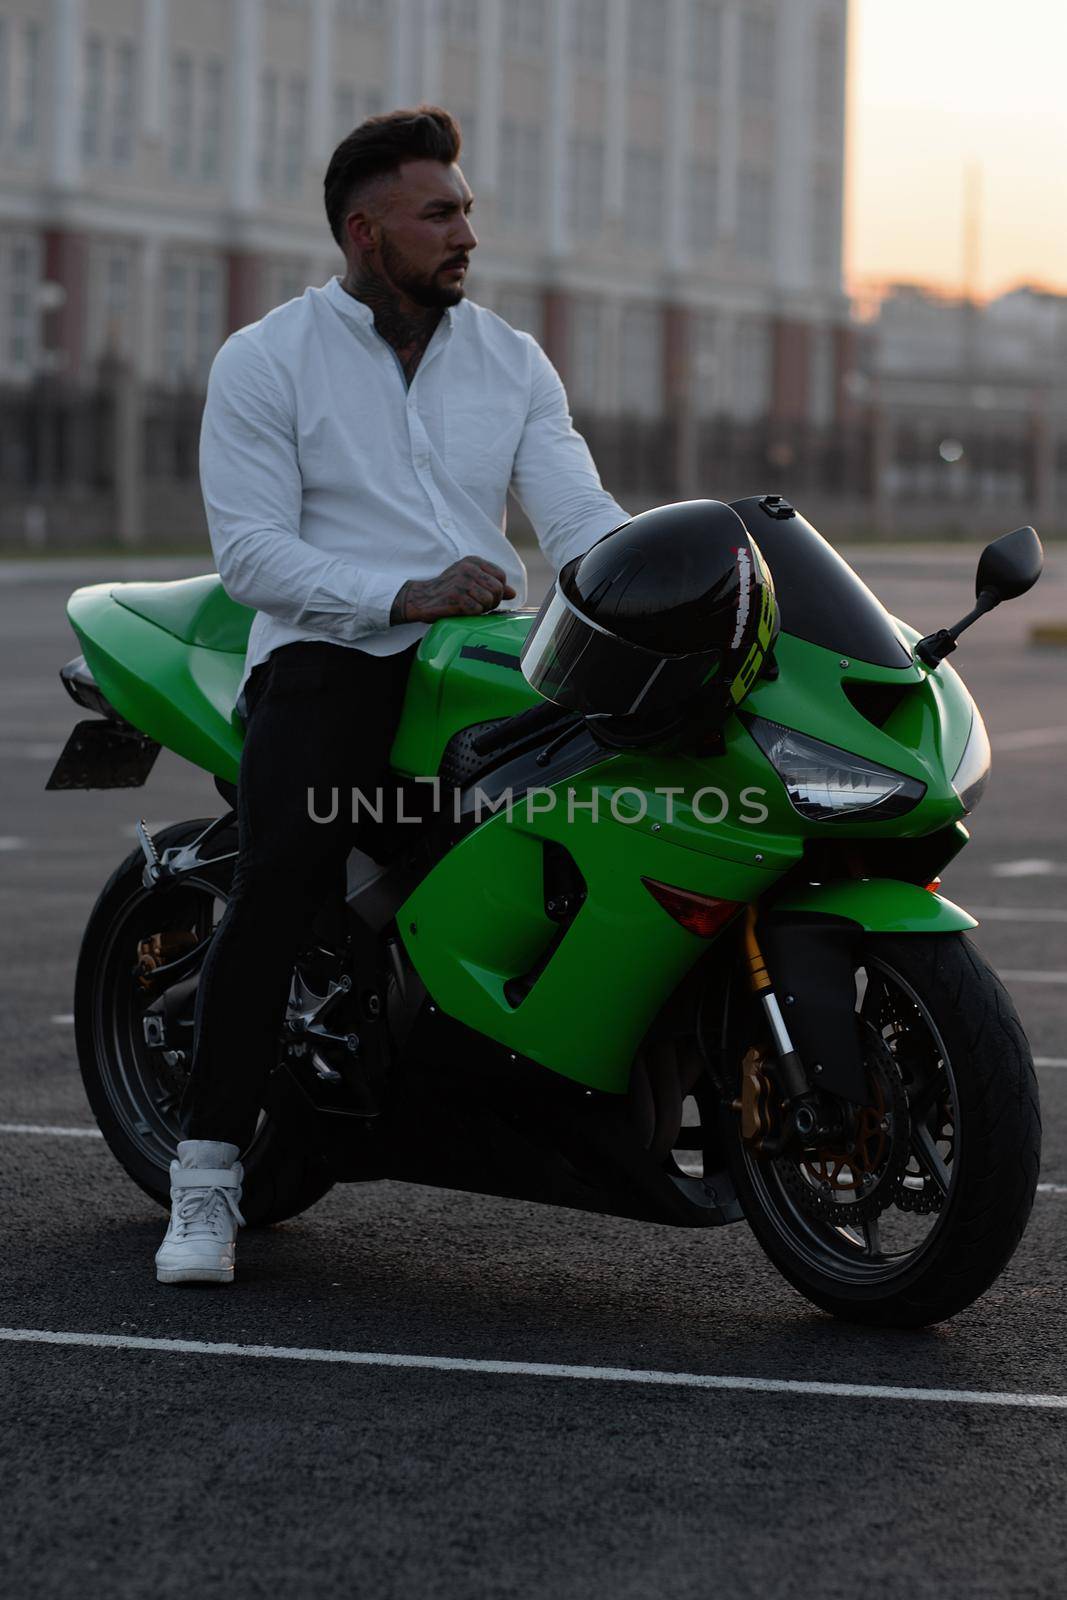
<point>205,1186</point>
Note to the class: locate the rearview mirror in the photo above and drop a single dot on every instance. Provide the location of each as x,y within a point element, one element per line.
<point>1010,565</point>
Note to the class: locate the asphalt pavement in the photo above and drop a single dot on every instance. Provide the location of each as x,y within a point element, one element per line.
<point>151,1468</point>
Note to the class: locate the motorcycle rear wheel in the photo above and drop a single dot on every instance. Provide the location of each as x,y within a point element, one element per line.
<point>132,1095</point>
<point>974,1131</point>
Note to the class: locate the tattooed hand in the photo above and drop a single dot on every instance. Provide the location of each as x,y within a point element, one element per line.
<point>466,588</point>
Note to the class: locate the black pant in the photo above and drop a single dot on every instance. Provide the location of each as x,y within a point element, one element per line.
<point>319,716</point>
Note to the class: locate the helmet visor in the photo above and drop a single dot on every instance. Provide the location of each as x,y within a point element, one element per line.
<point>570,660</point>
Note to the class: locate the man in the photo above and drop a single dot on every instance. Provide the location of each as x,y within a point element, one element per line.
<point>357,448</point>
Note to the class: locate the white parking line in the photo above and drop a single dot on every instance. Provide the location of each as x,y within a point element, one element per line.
<point>20,750</point>
<point>1052,1188</point>
<point>50,1131</point>
<point>543,1369</point>
<point>1030,738</point>
<point>63,1019</point>
<point>1025,975</point>
<point>1027,867</point>
<point>1018,913</point>
<point>1050,1061</point>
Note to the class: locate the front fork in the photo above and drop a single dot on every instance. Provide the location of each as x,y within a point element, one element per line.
<point>807,1117</point>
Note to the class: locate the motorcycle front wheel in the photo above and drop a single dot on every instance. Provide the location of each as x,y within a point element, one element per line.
<point>138,944</point>
<point>916,1212</point>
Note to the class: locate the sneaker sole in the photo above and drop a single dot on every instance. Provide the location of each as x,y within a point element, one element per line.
<point>194,1274</point>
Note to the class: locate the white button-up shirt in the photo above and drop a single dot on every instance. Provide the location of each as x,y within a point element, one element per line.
<point>328,482</point>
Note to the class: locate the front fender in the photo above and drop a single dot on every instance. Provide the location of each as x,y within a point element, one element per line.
<point>879,905</point>
<point>810,939</point>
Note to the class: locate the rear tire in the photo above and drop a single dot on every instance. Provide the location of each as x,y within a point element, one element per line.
<point>992,1172</point>
<point>135,1106</point>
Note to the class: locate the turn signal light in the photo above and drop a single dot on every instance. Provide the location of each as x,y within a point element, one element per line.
<point>702,914</point>
<point>934,885</point>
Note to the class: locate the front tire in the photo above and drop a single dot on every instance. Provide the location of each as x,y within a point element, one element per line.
<point>973,1126</point>
<point>133,1093</point>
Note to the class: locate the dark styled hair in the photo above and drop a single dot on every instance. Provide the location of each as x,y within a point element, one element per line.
<point>378,148</point>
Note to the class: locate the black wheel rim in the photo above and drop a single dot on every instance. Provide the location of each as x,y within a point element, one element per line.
<point>144,1094</point>
<point>885,1251</point>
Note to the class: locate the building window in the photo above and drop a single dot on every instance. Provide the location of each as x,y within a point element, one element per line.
<point>829,79</point>
<point>207,318</point>
<point>648,38</point>
<point>705,44</point>
<point>459,20</point>
<point>524,27</point>
<point>586,354</point>
<point>5,90</point>
<point>522,309</point>
<point>821,377</point>
<point>192,320</point>
<point>703,201</point>
<point>641,361</point>
<point>345,116</point>
<point>754,200</point>
<point>28,85</point>
<point>757,55</point>
<point>197,112</point>
<point>20,273</point>
<point>361,11</point>
<point>521,174</point>
<point>751,394</point>
<point>295,132</point>
<point>284,281</point>
<point>268,127</point>
<point>110,302</point>
<point>352,105</point>
<point>123,103</point>
<point>644,208</point>
<point>181,116</point>
<point>93,99</point>
<point>589,32</point>
<point>706,376</point>
<point>468,155</point>
<point>211,121</point>
<point>825,224</point>
<point>585,194</point>
<point>108,102</point>
<point>175,366</point>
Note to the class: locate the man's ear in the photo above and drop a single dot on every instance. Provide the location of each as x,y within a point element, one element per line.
<point>362,232</point>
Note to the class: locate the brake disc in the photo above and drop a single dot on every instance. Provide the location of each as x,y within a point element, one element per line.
<point>856,1178</point>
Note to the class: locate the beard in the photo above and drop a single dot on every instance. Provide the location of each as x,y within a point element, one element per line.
<point>423,288</point>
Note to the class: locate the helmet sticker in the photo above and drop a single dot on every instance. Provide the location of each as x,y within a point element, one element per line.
<point>744,573</point>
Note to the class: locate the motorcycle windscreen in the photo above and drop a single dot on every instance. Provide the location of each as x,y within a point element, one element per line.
<point>569,660</point>
<point>820,598</point>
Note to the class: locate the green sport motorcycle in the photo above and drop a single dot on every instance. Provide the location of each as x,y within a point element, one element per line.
<point>687,988</point>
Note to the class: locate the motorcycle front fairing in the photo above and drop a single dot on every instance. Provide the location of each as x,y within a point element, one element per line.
<point>722,826</point>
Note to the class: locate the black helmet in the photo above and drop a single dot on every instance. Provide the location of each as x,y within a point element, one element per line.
<point>669,615</point>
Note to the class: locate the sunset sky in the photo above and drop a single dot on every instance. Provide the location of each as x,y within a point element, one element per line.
<point>937,86</point>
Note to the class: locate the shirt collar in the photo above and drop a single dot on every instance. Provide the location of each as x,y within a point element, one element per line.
<point>361,315</point>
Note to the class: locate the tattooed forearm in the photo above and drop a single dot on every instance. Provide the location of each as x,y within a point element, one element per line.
<point>466,588</point>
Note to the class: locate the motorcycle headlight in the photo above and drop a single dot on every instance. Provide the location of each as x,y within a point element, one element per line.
<point>972,774</point>
<point>829,785</point>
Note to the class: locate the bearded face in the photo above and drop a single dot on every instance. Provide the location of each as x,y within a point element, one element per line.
<point>431,286</point>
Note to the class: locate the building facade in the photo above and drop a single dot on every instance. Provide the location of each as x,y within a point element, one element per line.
<point>658,182</point>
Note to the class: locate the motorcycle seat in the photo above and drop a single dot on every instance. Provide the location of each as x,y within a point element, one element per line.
<point>196,610</point>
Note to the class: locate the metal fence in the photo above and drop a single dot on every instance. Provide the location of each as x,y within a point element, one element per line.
<point>117,464</point>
